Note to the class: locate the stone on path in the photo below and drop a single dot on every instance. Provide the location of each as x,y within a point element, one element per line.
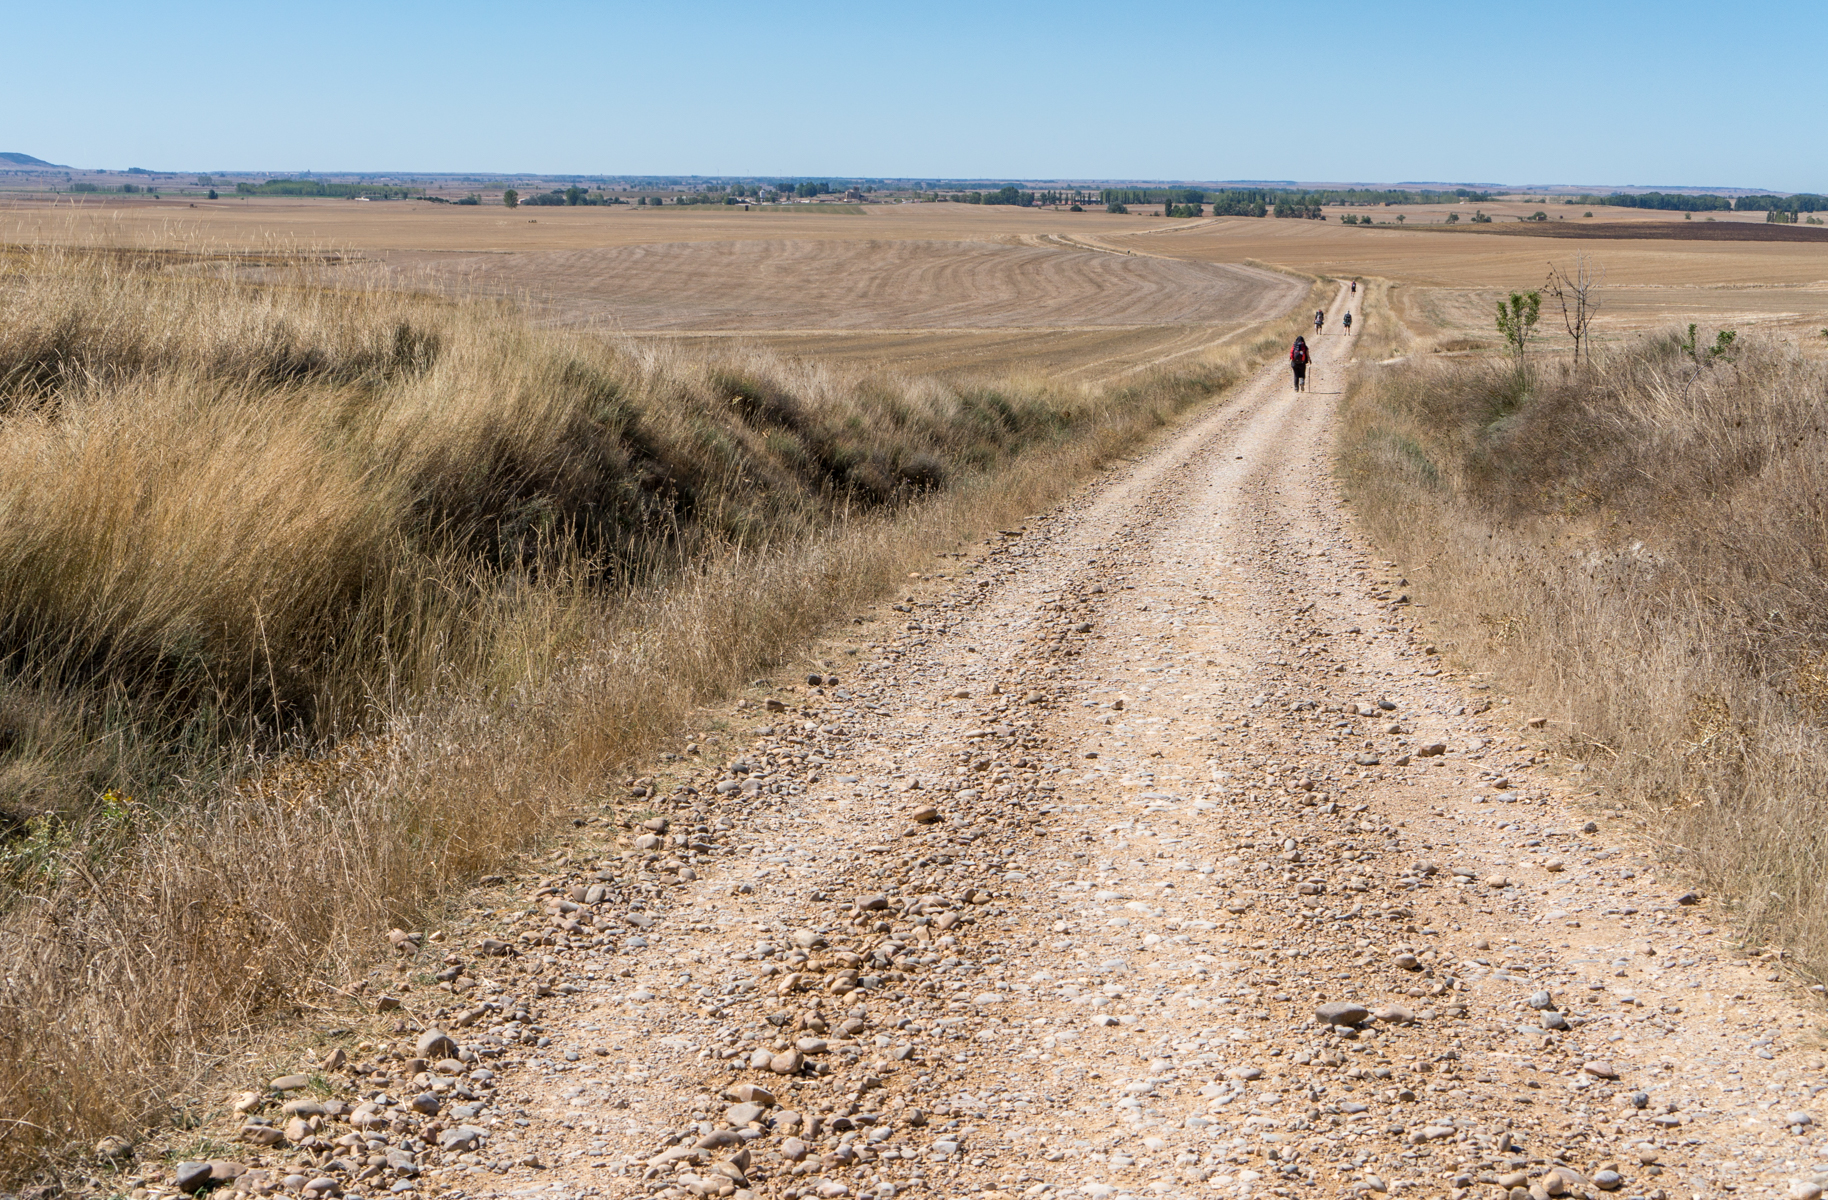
<point>1342,1012</point>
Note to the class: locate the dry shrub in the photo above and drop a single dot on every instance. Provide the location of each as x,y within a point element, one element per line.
<point>319,602</point>
<point>1640,549</point>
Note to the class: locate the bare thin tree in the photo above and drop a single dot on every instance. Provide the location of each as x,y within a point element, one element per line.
<point>1578,295</point>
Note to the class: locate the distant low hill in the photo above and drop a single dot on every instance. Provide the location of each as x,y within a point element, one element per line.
<point>25,160</point>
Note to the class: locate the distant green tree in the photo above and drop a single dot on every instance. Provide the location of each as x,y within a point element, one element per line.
<point>574,195</point>
<point>1517,322</point>
<point>511,198</point>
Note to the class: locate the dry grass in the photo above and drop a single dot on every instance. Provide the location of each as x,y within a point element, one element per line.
<point>318,603</point>
<point>1640,551</point>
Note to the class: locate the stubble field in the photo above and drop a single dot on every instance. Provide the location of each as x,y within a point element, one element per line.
<point>958,288</point>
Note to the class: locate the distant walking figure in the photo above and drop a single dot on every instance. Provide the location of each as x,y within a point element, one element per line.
<point>1355,287</point>
<point>1348,320</point>
<point>1320,318</point>
<point>1298,359</point>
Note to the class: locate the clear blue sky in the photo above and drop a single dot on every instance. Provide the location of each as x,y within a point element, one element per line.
<point>1588,93</point>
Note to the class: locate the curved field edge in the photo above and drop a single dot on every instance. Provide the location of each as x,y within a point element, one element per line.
<point>321,602</point>
<point>1635,550</point>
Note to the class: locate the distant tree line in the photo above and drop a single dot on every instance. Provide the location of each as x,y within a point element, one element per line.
<point>314,187</point>
<point>1671,201</point>
<point>1367,197</point>
<point>1236,203</point>
<point>1152,196</point>
<point>1804,202</point>
<point>571,197</point>
<point>1262,202</point>
<point>1675,202</point>
<point>1004,195</point>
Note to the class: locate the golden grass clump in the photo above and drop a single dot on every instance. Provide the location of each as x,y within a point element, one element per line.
<point>1641,548</point>
<point>316,602</point>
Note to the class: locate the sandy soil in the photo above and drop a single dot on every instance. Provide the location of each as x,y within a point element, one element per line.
<point>1163,837</point>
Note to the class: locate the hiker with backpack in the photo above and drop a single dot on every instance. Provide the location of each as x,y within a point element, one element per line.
<point>1348,322</point>
<point>1299,358</point>
<point>1320,318</point>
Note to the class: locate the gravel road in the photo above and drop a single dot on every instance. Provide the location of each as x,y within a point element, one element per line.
<point>1145,851</point>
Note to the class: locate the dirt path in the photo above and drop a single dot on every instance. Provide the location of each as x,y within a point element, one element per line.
<point>1162,839</point>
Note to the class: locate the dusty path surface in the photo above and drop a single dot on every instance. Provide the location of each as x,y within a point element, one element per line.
<point>1149,854</point>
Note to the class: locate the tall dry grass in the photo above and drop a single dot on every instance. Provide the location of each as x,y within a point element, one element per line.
<point>316,602</point>
<point>1642,549</point>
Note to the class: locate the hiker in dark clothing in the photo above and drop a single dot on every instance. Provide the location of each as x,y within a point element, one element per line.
<point>1298,358</point>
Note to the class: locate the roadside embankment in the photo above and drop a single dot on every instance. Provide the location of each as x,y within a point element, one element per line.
<point>1637,548</point>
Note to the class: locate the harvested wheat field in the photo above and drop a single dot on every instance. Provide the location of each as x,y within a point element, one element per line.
<point>949,287</point>
<point>1447,279</point>
<point>915,287</point>
<point>917,303</point>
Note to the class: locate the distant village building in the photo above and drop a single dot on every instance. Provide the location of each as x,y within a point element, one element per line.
<point>854,196</point>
